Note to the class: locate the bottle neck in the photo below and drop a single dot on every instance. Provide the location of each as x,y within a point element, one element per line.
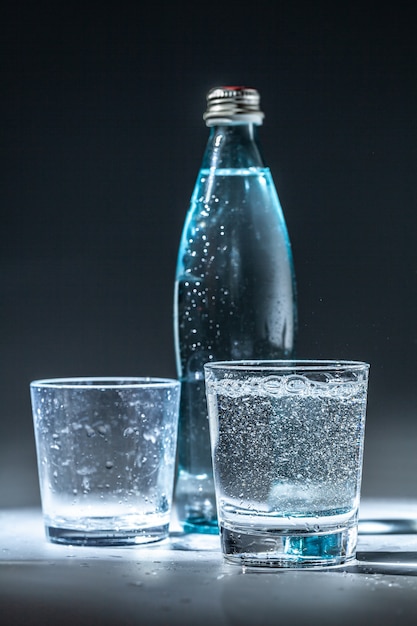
<point>233,146</point>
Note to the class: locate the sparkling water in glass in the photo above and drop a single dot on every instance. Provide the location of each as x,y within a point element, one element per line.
<point>287,446</point>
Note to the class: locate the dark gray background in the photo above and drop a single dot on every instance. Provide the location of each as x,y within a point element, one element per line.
<point>102,136</point>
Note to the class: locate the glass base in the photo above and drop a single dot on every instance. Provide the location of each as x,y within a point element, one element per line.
<point>106,536</point>
<point>195,505</point>
<point>281,549</point>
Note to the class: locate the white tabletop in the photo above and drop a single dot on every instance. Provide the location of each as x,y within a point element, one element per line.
<point>184,580</point>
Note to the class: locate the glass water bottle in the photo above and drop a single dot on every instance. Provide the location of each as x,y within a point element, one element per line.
<point>235,284</point>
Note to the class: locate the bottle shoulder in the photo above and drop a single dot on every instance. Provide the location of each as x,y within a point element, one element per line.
<point>240,186</point>
<point>234,171</point>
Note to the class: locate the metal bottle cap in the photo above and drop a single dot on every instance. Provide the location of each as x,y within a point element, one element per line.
<point>233,105</point>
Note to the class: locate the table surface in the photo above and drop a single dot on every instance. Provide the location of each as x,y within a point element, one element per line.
<point>184,580</point>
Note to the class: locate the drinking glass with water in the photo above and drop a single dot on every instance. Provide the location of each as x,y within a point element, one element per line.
<point>106,456</point>
<point>287,446</point>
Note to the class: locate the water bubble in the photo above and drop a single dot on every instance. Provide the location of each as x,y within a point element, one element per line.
<point>296,384</point>
<point>89,431</point>
<point>149,437</point>
<point>109,464</point>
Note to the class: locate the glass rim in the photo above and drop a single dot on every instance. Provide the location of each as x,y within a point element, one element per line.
<point>105,382</point>
<point>284,365</point>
